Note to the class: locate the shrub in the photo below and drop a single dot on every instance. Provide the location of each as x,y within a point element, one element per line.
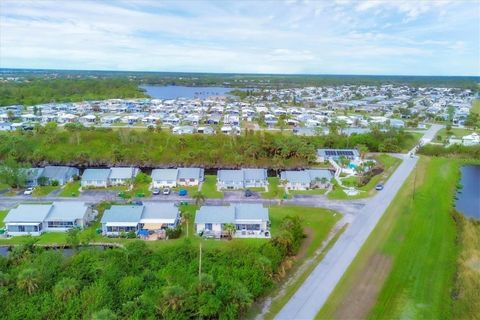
<point>174,233</point>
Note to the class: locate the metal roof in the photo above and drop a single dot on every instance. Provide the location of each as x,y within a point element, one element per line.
<point>28,213</point>
<point>190,173</point>
<point>96,174</point>
<point>251,211</point>
<point>123,173</point>
<point>160,210</point>
<point>295,176</point>
<point>58,172</point>
<point>255,174</point>
<point>232,213</point>
<point>122,214</point>
<point>215,214</point>
<point>67,211</point>
<point>319,173</point>
<point>164,174</point>
<point>230,175</point>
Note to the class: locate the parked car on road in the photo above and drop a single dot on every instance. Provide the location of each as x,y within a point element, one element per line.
<point>379,187</point>
<point>182,192</point>
<point>28,191</point>
<point>248,193</point>
<point>136,203</point>
<point>166,191</point>
<point>156,191</point>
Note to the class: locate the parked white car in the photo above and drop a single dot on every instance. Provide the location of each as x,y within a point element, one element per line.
<point>28,191</point>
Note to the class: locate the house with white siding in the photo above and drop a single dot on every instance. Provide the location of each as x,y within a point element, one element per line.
<point>250,220</point>
<point>35,219</point>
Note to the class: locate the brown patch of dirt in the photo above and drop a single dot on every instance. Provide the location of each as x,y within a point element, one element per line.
<point>360,300</point>
<point>305,243</point>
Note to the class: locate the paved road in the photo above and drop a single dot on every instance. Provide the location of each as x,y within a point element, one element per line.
<point>313,293</point>
<point>345,207</point>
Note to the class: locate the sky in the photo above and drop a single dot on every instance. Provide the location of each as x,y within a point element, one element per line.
<point>398,37</point>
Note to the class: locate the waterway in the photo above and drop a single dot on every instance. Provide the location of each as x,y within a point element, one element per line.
<point>468,198</point>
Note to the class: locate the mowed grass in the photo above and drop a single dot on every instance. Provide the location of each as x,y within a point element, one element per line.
<point>71,189</point>
<point>457,132</point>
<point>406,268</point>
<point>3,214</point>
<point>274,189</point>
<point>209,187</point>
<point>389,163</point>
<point>42,191</point>
<point>476,106</point>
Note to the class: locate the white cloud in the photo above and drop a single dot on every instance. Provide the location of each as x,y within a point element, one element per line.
<point>308,36</point>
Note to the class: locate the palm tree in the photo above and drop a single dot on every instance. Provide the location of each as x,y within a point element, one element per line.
<point>199,198</point>
<point>229,228</point>
<point>65,288</point>
<point>28,280</point>
<point>173,299</point>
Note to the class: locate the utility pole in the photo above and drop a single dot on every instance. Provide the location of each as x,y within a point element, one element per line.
<point>200,265</point>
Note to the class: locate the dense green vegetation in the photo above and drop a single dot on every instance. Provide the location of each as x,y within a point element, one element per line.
<point>250,80</point>
<point>454,150</point>
<point>89,146</point>
<point>138,282</point>
<point>66,90</point>
<point>408,267</point>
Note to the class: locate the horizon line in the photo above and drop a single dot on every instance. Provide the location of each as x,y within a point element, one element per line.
<point>243,73</point>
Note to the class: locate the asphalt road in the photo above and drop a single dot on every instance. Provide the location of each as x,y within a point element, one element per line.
<point>310,297</point>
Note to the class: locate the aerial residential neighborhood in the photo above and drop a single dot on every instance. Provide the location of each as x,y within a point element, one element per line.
<point>287,160</point>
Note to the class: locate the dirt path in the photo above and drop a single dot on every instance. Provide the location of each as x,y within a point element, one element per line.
<point>359,301</point>
<point>265,307</point>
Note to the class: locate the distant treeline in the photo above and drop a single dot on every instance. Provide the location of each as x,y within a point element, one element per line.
<point>39,91</point>
<point>459,151</point>
<point>251,80</point>
<point>81,146</point>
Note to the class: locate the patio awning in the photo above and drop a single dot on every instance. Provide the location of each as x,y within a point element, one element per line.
<point>153,226</point>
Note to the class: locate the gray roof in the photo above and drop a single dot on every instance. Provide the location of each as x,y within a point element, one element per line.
<point>251,211</point>
<point>215,214</point>
<point>67,211</point>
<point>160,210</point>
<point>255,174</point>
<point>230,175</point>
<point>28,213</point>
<point>164,174</point>
<point>190,173</point>
<point>295,176</point>
<point>123,173</point>
<point>122,214</point>
<point>96,174</point>
<point>305,176</point>
<point>59,172</point>
<point>222,214</point>
<point>320,173</point>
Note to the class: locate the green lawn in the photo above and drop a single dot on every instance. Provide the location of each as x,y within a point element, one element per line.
<point>318,223</point>
<point>209,187</point>
<point>3,213</point>
<point>456,132</point>
<point>476,106</point>
<point>318,191</point>
<point>275,190</point>
<point>191,189</point>
<point>42,191</point>
<point>389,163</point>
<point>71,189</point>
<point>4,186</point>
<point>406,268</point>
